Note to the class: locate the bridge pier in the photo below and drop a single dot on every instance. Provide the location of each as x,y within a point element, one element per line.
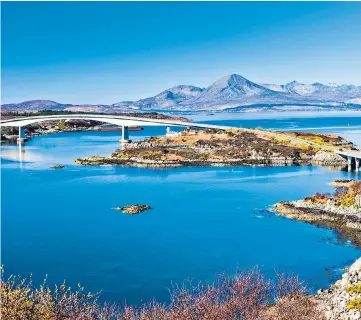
<point>349,163</point>
<point>125,135</point>
<point>357,161</point>
<point>21,139</point>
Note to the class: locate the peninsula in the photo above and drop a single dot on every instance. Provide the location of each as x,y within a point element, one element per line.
<point>340,211</point>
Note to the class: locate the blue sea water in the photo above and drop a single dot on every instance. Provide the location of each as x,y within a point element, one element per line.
<point>204,221</point>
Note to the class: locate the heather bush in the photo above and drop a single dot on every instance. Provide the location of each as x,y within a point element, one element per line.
<point>292,302</point>
<point>21,300</point>
<point>318,198</point>
<point>246,296</point>
<point>346,196</point>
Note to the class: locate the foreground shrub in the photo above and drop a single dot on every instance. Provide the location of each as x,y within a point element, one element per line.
<point>354,289</point>
<point>247,296</point>
<point>354,304</point>
<point>20,300</point>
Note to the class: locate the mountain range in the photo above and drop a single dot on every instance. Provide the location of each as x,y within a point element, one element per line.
<point>231,91</point>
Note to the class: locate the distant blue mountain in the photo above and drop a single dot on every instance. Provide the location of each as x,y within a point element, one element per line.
<point>231,91</point>
<point>35,105</point>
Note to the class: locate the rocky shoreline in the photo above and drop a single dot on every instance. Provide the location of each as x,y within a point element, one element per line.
<point>342,301</point>
<point>262,161</point>
<point>345,220</point>
<point>342,212</point>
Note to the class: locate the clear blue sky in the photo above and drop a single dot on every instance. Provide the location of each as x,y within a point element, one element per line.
<point>105,52</point>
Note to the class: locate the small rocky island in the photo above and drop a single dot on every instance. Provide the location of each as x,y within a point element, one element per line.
<point>133,208</point>
<point>340,211</point>
<point>231,147</point>
<point>57,166</point>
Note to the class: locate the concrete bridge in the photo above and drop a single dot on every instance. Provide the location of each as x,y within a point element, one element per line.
<point>353,156</point>
<point>123,121</point>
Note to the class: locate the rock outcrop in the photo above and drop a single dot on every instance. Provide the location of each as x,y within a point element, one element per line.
<point>328,158</point>
<point>342,301</point>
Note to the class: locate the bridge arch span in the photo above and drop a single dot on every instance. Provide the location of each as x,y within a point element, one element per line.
<point>22,122</point>
<point>122,121</point>
<point>111,119</point>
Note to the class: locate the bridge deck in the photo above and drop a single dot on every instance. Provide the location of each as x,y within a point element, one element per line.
<point>350,153</point>
<point>117,120</point>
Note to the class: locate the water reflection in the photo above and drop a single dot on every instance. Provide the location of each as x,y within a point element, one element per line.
<point>21,153</point>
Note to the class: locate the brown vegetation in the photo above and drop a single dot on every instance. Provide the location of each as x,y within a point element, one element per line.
<point>346,196</point>
<point>343,196</point>
<point>247,296</point>
<point>219,145</point>
<point>321,139</point>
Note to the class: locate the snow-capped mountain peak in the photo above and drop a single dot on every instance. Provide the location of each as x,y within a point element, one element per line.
<point>237,84</point>
<point>295,87</point>
<point>274,87</point>
<point>230,87</point>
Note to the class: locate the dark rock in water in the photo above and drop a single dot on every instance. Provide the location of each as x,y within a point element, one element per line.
<point>57,166</point>
<point>133,208</point>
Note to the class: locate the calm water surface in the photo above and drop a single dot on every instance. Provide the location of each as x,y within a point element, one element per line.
<point>204,221</point>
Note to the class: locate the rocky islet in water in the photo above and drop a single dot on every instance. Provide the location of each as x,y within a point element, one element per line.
<point>57,166</point>
<point>133,208</point>
<point>231,147</point>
